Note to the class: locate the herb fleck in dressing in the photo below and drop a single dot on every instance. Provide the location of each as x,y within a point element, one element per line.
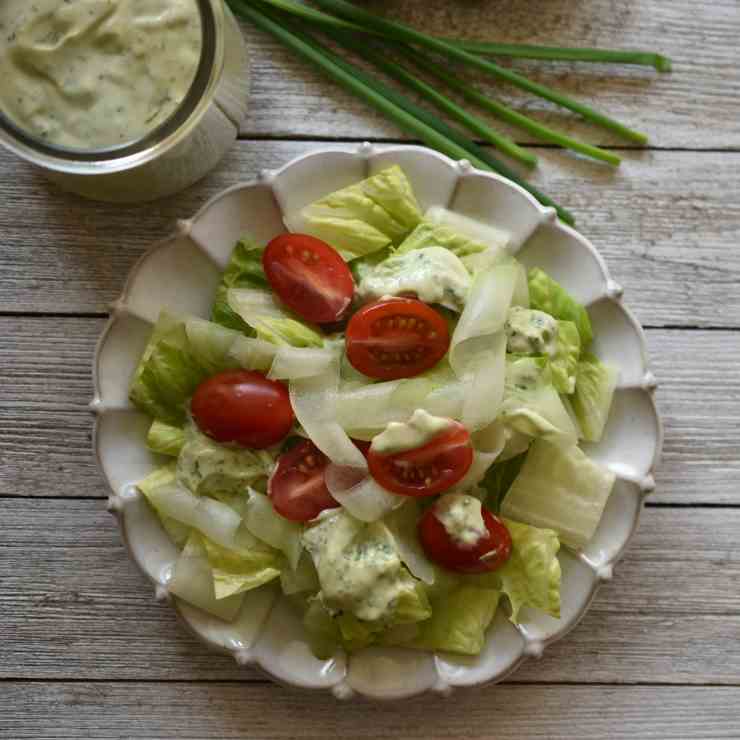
<point>91,74</point>
<point>433,274</point>
<point>461,517</point>
<point>531,332</point>
<point>359,567</point>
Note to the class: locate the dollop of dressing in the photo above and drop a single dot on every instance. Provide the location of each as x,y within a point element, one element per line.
<point>434,274</point>
<point>400,436</point>
<point>92,74</point>
<point>531,332</point>
<point>358,565</point>
<point>461,516</point>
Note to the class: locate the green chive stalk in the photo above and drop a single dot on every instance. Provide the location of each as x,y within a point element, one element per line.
<point>406,34</point>
<point>509,114</point>
<point>406,114</point>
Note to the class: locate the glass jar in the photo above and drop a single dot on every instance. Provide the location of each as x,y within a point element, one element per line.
<point>175,154</point>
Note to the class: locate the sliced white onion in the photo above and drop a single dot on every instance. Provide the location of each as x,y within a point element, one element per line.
<point>402,525</point>
<point>214,519</point>
<point>265,524</point>
<point>359,494</point>
<point>478,346</point>
<point>301,362</point>
<point>253,354</point>
<point>314,402</point>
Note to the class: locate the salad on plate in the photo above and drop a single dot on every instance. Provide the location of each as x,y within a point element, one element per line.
<point>382,420</point>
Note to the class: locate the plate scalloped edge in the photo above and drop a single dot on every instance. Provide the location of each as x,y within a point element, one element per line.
<point>272,641</point>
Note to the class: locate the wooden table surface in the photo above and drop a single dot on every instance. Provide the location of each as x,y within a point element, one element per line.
<point>85,652</point>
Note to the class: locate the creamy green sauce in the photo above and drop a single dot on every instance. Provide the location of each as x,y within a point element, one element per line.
<point>433,274</point>
<point>358,565</point>
<point>462,518</point>
<point>207,467</point>
<point>400,436</point>
<point>91,74</point>
<point>531,332</point>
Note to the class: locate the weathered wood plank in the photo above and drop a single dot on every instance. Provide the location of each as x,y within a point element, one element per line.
<point>666,224</point>
<point>45,428</point>
<point>289,98</point>
<point>74,605</point>
<point>222,711</point>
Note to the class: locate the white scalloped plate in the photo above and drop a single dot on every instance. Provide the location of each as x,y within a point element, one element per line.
<point>181,273</point>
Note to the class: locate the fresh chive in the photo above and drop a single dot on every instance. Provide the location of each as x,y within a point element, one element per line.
<point>562,53</point>
<point>402,32</point>
<point>416,120</point>
<point>308,13</point>
<point>476,125</point>
<point>509,114</point>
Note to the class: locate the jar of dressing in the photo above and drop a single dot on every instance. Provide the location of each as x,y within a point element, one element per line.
<point>121,100</point>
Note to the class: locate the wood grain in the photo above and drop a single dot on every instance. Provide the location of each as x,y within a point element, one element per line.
<point>74,605</point>
<point>697,106</point>
<point>222,711</point>
<point>45,428</point>
<point>666,224</point>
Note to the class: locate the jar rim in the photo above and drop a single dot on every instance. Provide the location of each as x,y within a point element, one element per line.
<point>154,143</point>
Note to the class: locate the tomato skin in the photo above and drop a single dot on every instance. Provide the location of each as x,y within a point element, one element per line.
<point>296,487</point>
<point>309,276</point>
<point>443,461</point>
<point>443,550</point>
<point>244,407</point>
<point>396,338</point>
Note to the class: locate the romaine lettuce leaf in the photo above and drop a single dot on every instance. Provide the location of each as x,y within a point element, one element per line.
<point>172,367</point>
<point>165,439</point>
<point>362,218</point>
<point>428,234</point>
<point>594,390</point>
<point>548,296</point>
<point>458,622</point>
<point>565,362</point>
<point>270,320</point>
<point>531,576</point>
<point>243,271</point>
<point>562,489</point>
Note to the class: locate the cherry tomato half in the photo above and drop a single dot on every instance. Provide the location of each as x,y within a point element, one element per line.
<point>296,487</point>
<point>426,470</point>
<point>396,338</point>
<point>243,407</point>
<point>489,553</point>
<point>309,276</point>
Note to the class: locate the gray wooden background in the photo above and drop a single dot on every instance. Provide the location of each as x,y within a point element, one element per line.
<point>85,652</point>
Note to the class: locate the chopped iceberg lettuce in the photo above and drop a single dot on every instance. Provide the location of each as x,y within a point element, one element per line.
<point>458,623</point>
<point>165,439</point>
<point>548,296</point>
<point>269,320</point>
<point>565,361</point>
<point>562,489</point>
<point>531,576</point>
<point>428,234</point>
<point>491,236</point>
<point>209,468</point>
<point>433,274</point>
<point>362,218</point>
<point>240,569</point>
<point>173,366</point>
<point>243,271</point>
<point>166,475</point>
<point>192,581</point>
<point>594,390</point>
<point>301,579</point>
